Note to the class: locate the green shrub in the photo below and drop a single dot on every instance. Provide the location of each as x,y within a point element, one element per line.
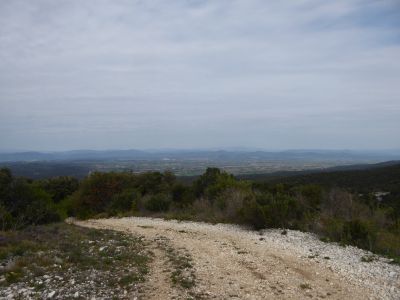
<point>124,201</point>
<point>253,214</point>
<point>6,219</point>
<point>41,209</point>
<point>332,228</point>
<point>157,203</point>
<point>6,179</point>
<point>281,211</point>
<point>154,182</point>
<point>388,243</point>
<point>96,192</point>
<point>264,198</point>
<point>209,178</point>
<point>106,192</point>
<point>312,195</point>
<point>182,195</point>
<point>25,203</point>
<point>359,233</point>
<point>59,187</point>
<point>214,182</point>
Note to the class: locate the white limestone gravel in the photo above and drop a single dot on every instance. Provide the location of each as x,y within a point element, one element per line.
<point>233,262</point>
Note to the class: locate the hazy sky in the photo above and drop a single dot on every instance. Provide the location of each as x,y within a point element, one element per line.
<point>184,74</point>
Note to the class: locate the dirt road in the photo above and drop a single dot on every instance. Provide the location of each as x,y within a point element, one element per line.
<point>228,262</point>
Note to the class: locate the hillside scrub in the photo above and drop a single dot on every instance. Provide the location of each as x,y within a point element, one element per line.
<point>69,262</point>
<point>23,203</point>
<point>333,213</point>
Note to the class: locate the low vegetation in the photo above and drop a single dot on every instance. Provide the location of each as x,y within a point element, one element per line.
<point>181,263</point>
<point>345,215</point>
<point>46,260</point>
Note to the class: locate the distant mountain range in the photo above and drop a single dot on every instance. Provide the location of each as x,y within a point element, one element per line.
<point>212,155</point>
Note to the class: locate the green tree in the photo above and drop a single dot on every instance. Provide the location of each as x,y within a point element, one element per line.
<point>59,187</point>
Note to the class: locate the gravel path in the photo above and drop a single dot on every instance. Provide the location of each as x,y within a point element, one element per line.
<point>232,262</point>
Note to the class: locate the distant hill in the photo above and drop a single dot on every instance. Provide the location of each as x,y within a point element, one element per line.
<point>40,169</point>
<point>300,165</point>
<point>379,177</point>
<point>72,155</point>
<point>213,155</point>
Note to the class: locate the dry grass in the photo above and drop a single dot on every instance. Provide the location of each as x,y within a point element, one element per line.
<point>98,261</point>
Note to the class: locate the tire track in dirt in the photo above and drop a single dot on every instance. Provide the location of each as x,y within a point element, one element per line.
<point>234,264</point>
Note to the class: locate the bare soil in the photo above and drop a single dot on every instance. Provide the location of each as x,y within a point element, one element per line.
<point>229,262</point>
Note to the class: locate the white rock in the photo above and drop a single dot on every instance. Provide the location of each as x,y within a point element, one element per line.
<point>58,260</point>
<point>76,295</point>
<point>51,294</point>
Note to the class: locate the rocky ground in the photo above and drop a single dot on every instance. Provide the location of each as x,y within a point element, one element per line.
<point>145,258</point>
<point>230,262</point>
<point>69,262</point>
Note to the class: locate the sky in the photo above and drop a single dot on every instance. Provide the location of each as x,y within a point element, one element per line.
<point>121,74</point>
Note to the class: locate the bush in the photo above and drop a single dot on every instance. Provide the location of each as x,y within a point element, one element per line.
<point>359,233</point>
<point>253,214</point>
<point>41,210</point>
<point>182,195</point>
<point>312,195</point>
<point>26,204</point>
<point>214,182</point>
<point>96,192</point>
<point>264,198</point>
<point>157,203</point>
<point>209,178</point>
<point>388,243</point>
<point>332,228</point>
<point>31,206</point>
<point>59,187</point>
<point>338,204</point>
<point>355,232</point>
<point>5,182</point>
<point>124,201</point>
<point>154,182</point>
<point>6,220</point>
<point>281,211</point>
